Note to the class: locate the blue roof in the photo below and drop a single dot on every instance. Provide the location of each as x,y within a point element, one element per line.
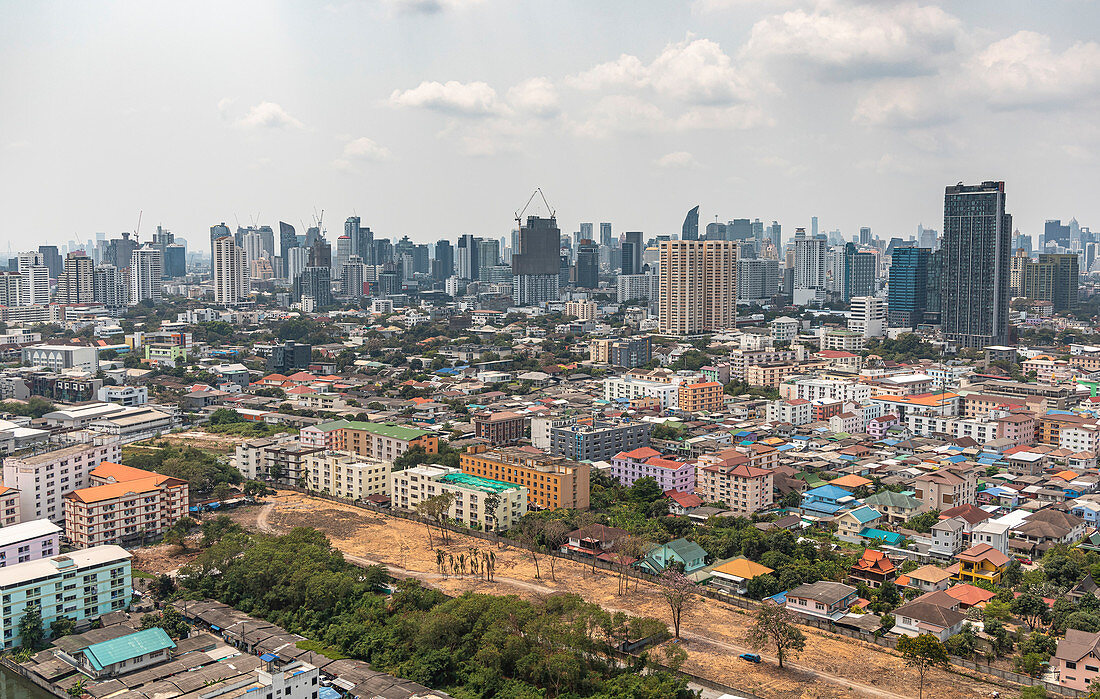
<point>781,598</point>
<point>828,492</point>
<point>784,447</point>
<point>955,459</point>
<point>268,657</point>
<point>865,514</point>
<point>106,653</point>
<point>742,433</point>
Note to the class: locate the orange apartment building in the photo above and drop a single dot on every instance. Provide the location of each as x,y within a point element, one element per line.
<point>699,397</point>
<point>775,374</point>
<point>123,505</point>
<point>381,441</point>
<point>551,481</point>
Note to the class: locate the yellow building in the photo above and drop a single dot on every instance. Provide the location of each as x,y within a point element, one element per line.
<point>981,563</point>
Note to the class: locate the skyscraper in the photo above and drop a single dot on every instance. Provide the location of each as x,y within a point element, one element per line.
<point>351,277</point>
<point>809,267</point>
<point>908,298</point>
<point>443,265</point>
<point>859,272</point>
<point>146,273</point>
<point>219,231</point>
<point>74,285</point>
<point>775,234</point>
<point>865,235</point>
<point>605,234</point>
<point>1055,232</point>
<point>690,230</point>
<point>488,256</point>
<point>586,232</point>
<point>1053,278</point>
<point>588,265</point>
<point>231,276</point>
<point>287,239</point>
<point>296,261</point>
<point>316,283</point>
<point>977,239</point>
<point>51,260</point>
<point>343,250</point>
<point>351,230</point>
<point>536,265</point>
<point>466,257</point>
<point>175,260</point>
<point>632,253</point>
<point>365,248</point>
<point>107,287</point>
<point>36,279</point>
<point>698,286</point>
<point>739,229</point>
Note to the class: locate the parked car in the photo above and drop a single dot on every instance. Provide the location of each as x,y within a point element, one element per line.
<point>751,657</point>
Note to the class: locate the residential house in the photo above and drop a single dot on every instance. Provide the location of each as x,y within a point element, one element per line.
<point>895,508</point>
<point>981,563</point>
<point>1045,528</point>
<point>947,537</point>
<point>1077,660</point>
<point>682,503</point>
<point>970,596</point>
<point>826,501</point>
<point>873,569</point>
<point>127,653</point>
<point>947,487</point>
<point>734,575</point>
<point>936,613</point>
<point>993,533</point>
<point>927,578</point>
<point>851,523</point>
<point>594,540</point>
<point>822,599</point>
<point>678,551</point>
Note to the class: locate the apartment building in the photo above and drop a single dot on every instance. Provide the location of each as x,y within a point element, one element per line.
<point>744,488</point>
<point>29,541</point>
<point>9,506</point>
<point>704,396</point>
<point>82,585</point>
<point>628,352</point>
<point>543,425</point>
<point>42,479</point>
<point>123,505</point>
<point>347,475</point>
<point>251,457</point>
<point>550,482</point>
<point>598,441</point>
<point>796,411</point>
<point>741,359</point>
<point>376,440</point>
<point>826,389</point>
<point>774,374</point>
<point>946,488</point>
<point>473,495</point>
<point>500,428</point>
<point>623,389</point>
<point>670,474</point>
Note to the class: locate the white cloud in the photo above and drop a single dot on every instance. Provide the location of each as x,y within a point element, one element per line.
<point>1023,71</point>
<point>452,97</point>
<point>361,150</point>
<point>267,115</point>
<point>738,117</point>
<point>906,104</point>
<point>622,114</point>
<point>536,96</point>
<point>224,105</point>
<point>625,71</point>
<point>431,7</point>
<point>677,160</point>
<point>844,41</point>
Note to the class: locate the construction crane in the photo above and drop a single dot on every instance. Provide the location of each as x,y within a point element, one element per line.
<point>538,191</point>
<point>137,231</point>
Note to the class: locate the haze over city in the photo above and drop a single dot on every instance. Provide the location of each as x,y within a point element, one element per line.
<point>433,118</point>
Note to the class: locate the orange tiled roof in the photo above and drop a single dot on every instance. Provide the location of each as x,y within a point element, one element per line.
<point>112,491</point>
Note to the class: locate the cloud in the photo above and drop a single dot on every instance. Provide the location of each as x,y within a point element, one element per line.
<point>431,7</point>
<point>738,117</point>
<point>622,114</point>
<point>267,115</point>
<point>224,105</point>
<point>451,97</point>
<point>841,41</point>
<point>17,145</point>
<point>361,150</point>
<point>906,104</point>
<point>1023,71</point>
<point>693,71</point>
<point>678,160</point>
<point>536,96</point>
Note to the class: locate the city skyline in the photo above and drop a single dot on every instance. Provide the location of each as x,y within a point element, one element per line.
<point>848,112</point>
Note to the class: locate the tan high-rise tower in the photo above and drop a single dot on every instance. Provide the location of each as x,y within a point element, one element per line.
<point>698,286</point>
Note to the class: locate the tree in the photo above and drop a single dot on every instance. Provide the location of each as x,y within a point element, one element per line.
<point>677,591</point>
<point>1031,608</point>
<point>645,490</point>
<point>170,620</point>
<point>223,491</point>
<point>436,508</point>
<point>163,586</point>
<point>924,522</point>
<point>30,627</point>
<point>775,626</point>
<point>62,626</point>
<point>923,653</point>
<point>554,533</point>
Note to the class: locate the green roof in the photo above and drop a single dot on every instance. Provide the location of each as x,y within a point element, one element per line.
<point>101,655</point>
<point>891,499</point>
<point>487,485</point>
<point>392,431</point>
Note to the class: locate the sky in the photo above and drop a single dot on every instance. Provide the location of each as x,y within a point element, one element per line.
<point>435,118</point>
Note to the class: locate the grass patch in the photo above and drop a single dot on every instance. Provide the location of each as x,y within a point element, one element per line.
<point>321,649</point>
<point>142,574</point>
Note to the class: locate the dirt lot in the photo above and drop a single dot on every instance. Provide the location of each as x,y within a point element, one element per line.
<point>216,443</point>
<point>163,558</point>
<point>831,666</point>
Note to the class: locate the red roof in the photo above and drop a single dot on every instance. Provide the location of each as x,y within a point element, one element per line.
<point>834,354</point>
<point>639,454</point>
<point>969,594</point>
<point>875,561</point>
<point>684,499</point>
<point>666,463</point>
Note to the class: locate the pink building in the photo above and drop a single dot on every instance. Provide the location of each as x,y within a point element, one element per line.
<point>1018,427</point>
<point>876,427</point>
<point>1077,660</point>
<point>629,466</point>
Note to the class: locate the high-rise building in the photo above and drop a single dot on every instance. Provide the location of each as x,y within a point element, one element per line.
<point>36,279</point>
<point>146,274</point>
<point>536,265</point>
<point>296,260</point>
<point>219,231</point>
<point>698,286</point>
<point>320,254</point>
<point>466,257</point>
<point>809,266</point>
<point>865,235</point>
<point>977,240</point>
<point>588,265</point>
<point>231,275</point>
<point>631,253</point>
<point>716,231</point>
<point>739,229</point>
<point>775,234</point>
<point>908,298</point>
<point>1055,232</point>
<point>287,239</point>
<point>316,283</point>
<point>488,256</point>
<point>586,232</point>
<point>76,280</point>
<point>859,272</point>
<point>757,279</point>
<point>927,237</point>
<point>344,250</point>
<point>605,234</point>
<point>107,287</point>
<point>11,289</point>
<point>351,231</point>
<point>51,260</point>
<point>443,265</point>
<point>351,277</point>
<point>175,260</point>
<point>868,316</point>
<point>1053,278</point>
<point>690,230</point>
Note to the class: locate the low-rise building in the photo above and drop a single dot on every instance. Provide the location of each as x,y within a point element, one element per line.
<point>823,599</point>
<point>347,475</point>
<point>896,508</point>
<point>473,496</point>
<point>62,357</point>
<point>42,479</point>
<point>129,653</point>
<point>130,396</point>
<point>29,541</point>
<point>670,474</point>
<point>550,482</point>
<point>703,396</point>
<point>376,440</point>
<point>947,487</point>
<point>936,613</point>
<point>796,411</point>
<point>598,441</point>
<point>981,563</point>
<point>9,506</point>
<point>82,585</point>
<point>123,505</point>
<point>501,428</point>
<point>1077,660</point>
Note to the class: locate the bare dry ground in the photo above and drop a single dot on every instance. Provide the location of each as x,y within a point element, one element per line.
<point>831,666</point>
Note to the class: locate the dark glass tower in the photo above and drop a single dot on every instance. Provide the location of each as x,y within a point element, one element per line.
<point>287,239</point>
<point>632,253</point>
<point>908,287</point>
<point>691,225</point>
<point>977,241</point>
<point>588,264</point>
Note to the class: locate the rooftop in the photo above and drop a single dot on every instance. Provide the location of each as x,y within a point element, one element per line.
<point>487,485</point>
<point>22,573</point>
<point>106,653</point>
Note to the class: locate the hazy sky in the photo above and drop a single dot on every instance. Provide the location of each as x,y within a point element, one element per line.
<point>434,118</point>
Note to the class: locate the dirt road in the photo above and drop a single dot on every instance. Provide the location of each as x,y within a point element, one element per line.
<point>831,666</point>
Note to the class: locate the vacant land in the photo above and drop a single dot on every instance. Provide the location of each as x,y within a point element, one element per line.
<point>713,632</point>
<point>214,443</point>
